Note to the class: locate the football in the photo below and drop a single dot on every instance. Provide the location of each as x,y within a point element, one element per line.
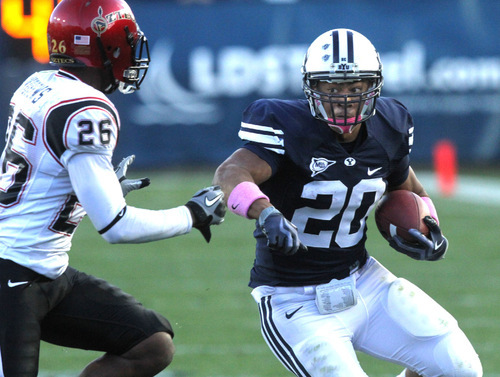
<point>401,210</point>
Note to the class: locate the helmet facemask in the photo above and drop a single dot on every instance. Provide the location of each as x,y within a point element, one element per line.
<point>363,104</point>
<point>134,75</point>
<point>127,80</point>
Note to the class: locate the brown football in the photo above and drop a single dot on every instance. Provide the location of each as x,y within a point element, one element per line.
<point>401,210</point>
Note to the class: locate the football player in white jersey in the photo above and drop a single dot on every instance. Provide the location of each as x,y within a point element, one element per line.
<point>57,167</point>
<point>310,172</point>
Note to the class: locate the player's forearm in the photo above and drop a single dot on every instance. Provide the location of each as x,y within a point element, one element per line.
<point>241,166</point>
<point>139,225</point>
<point>229,175</point>
<point>100,194</point>
<point>257,207</point>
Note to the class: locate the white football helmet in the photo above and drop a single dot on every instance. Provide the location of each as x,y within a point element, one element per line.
<point>337,56</point>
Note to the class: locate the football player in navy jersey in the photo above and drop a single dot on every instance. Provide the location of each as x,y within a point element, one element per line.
<point>310,171</point>
<point>57,167</point>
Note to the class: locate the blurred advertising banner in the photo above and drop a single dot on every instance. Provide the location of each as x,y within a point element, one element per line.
<point>210,59</point>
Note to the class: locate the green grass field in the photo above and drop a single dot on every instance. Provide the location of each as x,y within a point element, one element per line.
<point>203,291</point>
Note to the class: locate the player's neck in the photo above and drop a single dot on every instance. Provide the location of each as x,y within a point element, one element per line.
<point>91,76</point>
<point>350,137</point>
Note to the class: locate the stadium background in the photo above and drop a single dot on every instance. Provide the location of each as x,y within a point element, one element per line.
<point>210,59</point>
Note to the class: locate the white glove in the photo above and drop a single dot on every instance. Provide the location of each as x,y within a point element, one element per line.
<point>129,184</point>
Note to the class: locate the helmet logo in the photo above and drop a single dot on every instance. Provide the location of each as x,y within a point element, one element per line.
<point>99,24</point>
<point>343,67</point>
<point>326,57</point>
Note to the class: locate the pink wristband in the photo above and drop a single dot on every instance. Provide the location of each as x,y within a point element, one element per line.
<point>432,209</point>
<point>242,197</point>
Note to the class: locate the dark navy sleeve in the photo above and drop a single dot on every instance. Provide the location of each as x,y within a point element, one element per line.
<point>262,133</point>
<point>400,172</point>
<point>271,158</point>
<point>395,132</point>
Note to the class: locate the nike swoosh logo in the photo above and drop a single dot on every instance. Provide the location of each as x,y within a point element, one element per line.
<point>211,202</point>
<point>438,245</point>
<point>12,284</point>
<point>373,171</point>
<point>235,206</point>
<point>290,315</point>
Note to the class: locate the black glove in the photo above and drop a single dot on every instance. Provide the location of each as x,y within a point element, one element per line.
<point>129,184</point>
<point>281,234</point>
<point>423,248</point>
<point>207,208</point>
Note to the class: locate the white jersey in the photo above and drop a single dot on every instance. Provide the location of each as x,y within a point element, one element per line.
<point>52,116</point>
<point>60,139</point>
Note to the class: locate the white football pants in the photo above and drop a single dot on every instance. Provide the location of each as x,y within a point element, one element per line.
<point>393,320</point>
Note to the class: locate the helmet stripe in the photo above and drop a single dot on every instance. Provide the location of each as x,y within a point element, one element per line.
<point>335,44</point>
<point>343,46</point>
<point>350,47</point>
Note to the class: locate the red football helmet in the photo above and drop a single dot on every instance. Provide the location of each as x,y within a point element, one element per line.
<point>100,34</point>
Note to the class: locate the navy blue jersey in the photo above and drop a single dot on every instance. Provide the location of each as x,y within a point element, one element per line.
<point>325,188</point>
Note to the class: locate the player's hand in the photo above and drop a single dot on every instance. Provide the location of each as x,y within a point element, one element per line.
<point>129,184</point>
<point>281,234</point>
<point>207,208</point>
<point>423,248</point>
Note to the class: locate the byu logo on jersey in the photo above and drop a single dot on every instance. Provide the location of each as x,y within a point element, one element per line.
<point>319,165</point>
<point>349,161</point>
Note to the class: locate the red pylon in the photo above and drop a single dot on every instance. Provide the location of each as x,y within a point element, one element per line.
<point>445,166</point>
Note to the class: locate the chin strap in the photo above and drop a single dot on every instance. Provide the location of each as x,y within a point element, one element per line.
<point>113,84</point>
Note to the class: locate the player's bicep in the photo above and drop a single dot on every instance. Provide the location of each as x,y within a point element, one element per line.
<point>85,129</point>
<point>91,130</point>
<point>400,171</point>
